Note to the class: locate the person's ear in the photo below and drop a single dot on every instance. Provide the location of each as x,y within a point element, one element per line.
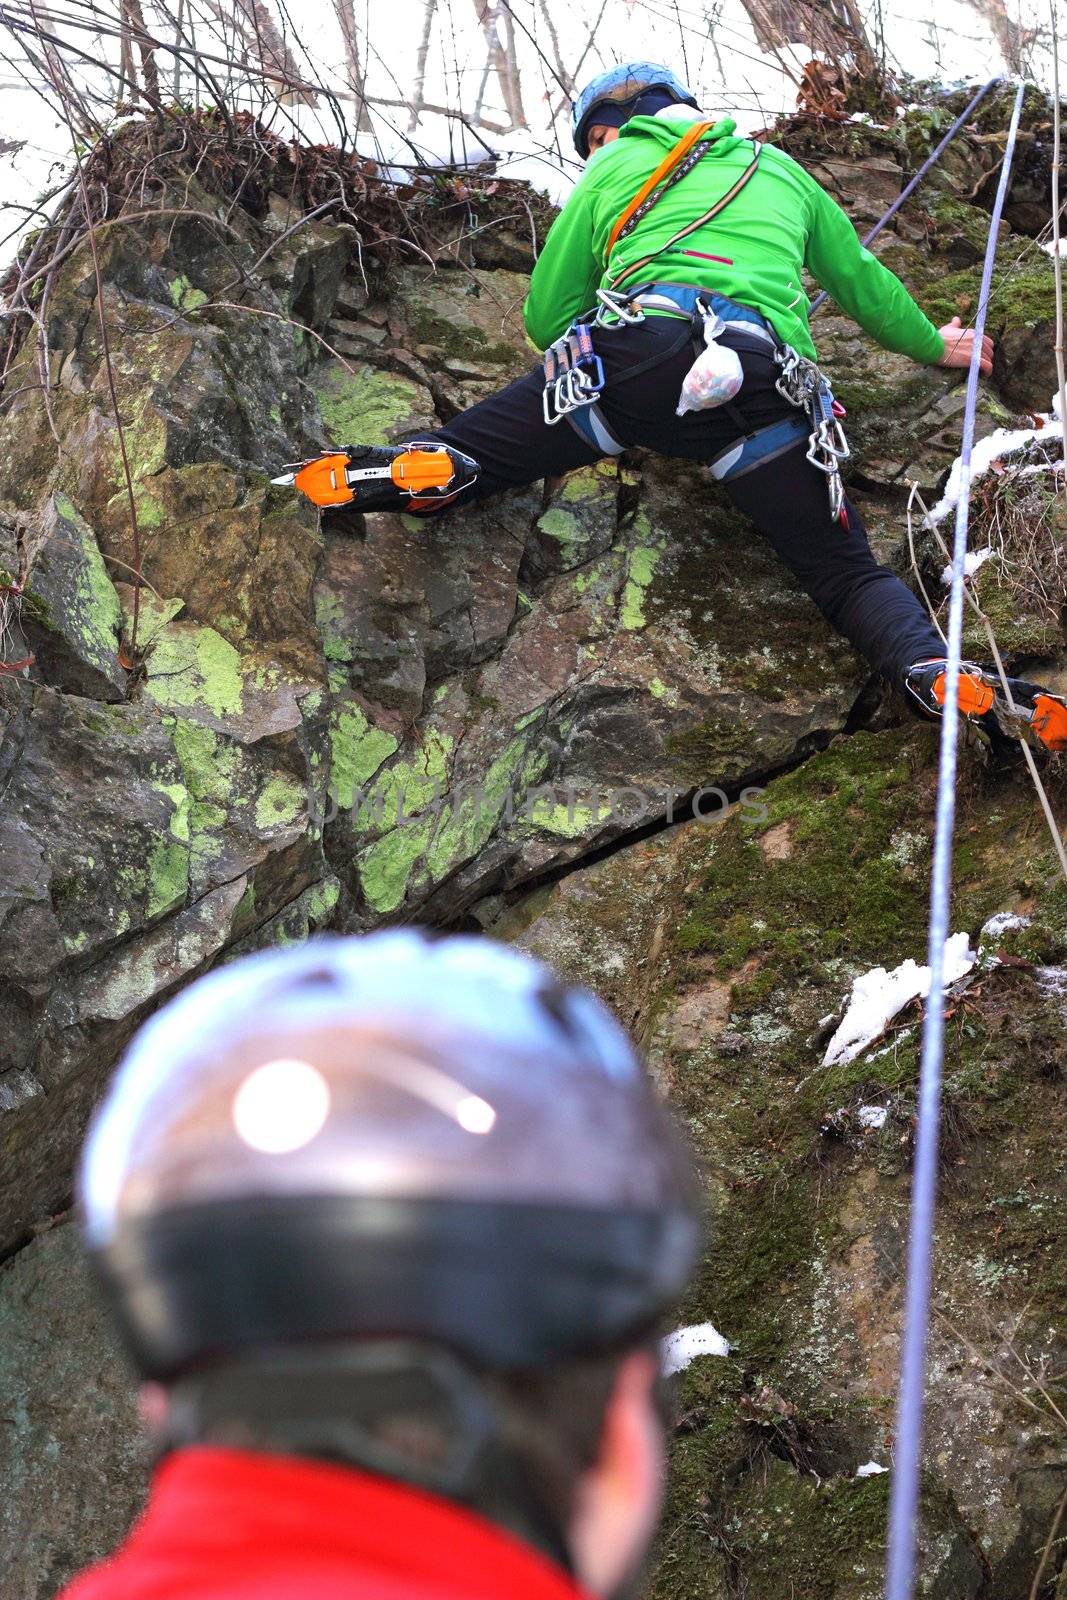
<point>619,1498</point>
<point>152,1406</point>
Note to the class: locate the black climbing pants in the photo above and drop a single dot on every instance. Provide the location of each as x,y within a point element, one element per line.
<point>786,499</point>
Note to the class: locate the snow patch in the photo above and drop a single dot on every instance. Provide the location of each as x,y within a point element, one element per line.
<point>999,924</point>
<point>870,1469</point>
<point>971,562</point>
<point>878,995</point>
<point>1049,247</point>
<point>872,1117</point>
<point>1001,442</point>
<point>683,1346</point>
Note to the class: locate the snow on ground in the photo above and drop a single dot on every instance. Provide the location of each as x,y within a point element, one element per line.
<point>878,995</point>
<point>1001,442</point>
<point>872,1117</point>
<point>870,1469</point>
<point>1001,923</point>
<point>971,562</point>
<point>683,1346</point>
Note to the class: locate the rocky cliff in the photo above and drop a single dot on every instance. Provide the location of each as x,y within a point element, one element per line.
<point>501,721</point>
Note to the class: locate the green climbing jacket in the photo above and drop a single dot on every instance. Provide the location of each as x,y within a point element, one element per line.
<point>752,252</point>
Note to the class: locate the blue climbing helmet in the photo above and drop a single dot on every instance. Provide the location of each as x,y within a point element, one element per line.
<point>616,88</point>
<point>388,1137</point>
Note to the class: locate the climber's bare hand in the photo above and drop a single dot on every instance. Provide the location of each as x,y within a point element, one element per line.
<point>959,343</point>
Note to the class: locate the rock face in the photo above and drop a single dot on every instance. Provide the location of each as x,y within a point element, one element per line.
<point>311,727</point>
<point>729,949</point>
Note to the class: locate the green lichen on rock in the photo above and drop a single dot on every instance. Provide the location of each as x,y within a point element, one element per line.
<point>562,526</point>
<point>185,295</point>
<point>641,565</point>
<point>357,750</point>
<point>367,407</point>
<point>167,880</point>
<point>471,816</point>
<point>93,607</point>
<point>333,627</point>
<point>210,767</point>
<point>279,802</point>
<point>190,666</point>
<point>567,820</point>
<point>431,828</point>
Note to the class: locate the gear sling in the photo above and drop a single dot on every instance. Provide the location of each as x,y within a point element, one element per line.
<point>574,373</point>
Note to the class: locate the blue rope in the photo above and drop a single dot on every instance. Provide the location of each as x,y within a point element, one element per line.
<point>904,1501</point>
<point>915,182</point>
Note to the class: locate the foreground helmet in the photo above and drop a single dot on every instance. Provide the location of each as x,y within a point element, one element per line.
<point>618,86</point>
<point>390,1137</point>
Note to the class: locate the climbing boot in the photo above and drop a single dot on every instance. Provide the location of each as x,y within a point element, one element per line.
<point>420,477</point>
<point>1031,713</point>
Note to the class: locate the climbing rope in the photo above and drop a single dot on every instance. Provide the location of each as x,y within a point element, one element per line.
<point>994,649</point>
<point>932,158</point>
<point>904,1498</point>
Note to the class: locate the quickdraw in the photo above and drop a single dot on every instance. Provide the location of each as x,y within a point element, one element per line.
<point>803,384</point>
<point>574,374</point>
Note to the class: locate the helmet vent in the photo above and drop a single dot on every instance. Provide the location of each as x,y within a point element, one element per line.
<point>556,1001</point>
<point>320,978</point>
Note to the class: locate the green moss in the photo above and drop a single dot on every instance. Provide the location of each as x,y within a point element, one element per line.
<point>841,890</point>
<point>368,407</point>
<point>1022,292</point>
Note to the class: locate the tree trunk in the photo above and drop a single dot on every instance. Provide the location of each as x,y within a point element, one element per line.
<point>502,58</point>
<point>835,28</point>
<point>345,12</point>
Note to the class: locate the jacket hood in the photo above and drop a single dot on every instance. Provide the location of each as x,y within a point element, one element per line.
<point>668,126</point>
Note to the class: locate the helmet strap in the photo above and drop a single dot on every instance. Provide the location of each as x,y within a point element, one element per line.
<point>406,1411</point>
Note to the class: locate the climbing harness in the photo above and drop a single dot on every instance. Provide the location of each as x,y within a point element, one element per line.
<point>904,1495</point>
<point>430,475</point>
<point>910,188</point>
<point>574,385</point>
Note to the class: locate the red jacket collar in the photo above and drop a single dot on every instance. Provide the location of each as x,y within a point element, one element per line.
<point>230,1525</point>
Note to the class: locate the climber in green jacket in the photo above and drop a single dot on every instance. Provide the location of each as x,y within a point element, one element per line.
<point>668,299</point>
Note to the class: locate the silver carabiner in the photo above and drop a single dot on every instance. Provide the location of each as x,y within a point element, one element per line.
<point>612,304</point>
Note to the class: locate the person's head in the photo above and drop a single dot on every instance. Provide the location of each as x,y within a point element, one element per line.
<point>406,1204</point>
<point>639,88</point>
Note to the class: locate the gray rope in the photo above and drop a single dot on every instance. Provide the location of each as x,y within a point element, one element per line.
<point>904,1500</point>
